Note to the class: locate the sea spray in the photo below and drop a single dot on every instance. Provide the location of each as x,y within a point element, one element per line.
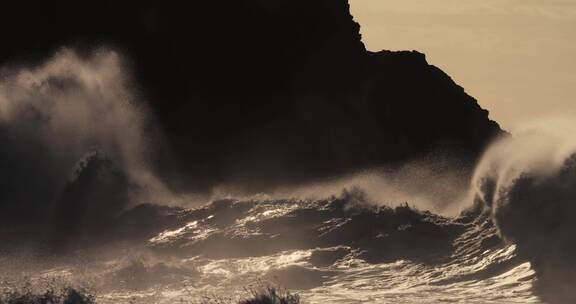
<point>54,116</point>
<point>527,182</point>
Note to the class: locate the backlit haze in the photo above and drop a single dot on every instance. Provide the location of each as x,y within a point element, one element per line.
<point>515,56</point>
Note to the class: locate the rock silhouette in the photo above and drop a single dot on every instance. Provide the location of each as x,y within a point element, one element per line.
<point>262,93</point>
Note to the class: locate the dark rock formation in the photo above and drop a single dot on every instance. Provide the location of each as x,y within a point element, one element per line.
<point>262,92</point>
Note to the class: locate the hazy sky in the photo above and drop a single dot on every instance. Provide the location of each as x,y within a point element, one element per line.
<point>517,57</point>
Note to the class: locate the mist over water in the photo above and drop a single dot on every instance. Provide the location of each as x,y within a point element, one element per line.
<point>60,116</point>
<point>77,140</point>
<point>431,184</point>
<point>541,153</point>
<point>527,182</point>
<point>71,106</point>
<point>73,125</point>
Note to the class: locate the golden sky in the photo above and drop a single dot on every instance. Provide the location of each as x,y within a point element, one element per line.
<point>517,57</point>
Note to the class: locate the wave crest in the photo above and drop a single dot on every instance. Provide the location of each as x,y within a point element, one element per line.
<point>528,184</point>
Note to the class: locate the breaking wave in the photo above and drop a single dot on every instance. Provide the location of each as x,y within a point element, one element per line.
<point>335,250</point>
<point>75,132</point>
<point>72,129</point>
<point>528,184</point>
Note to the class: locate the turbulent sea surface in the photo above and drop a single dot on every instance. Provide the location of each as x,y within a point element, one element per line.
<point>75,170</point>
<point>337,250</point>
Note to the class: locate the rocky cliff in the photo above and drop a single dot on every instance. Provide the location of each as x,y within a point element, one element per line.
<point>263,92</point>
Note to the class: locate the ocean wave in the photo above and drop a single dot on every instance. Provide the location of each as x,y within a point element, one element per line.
<point>528,185</point>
